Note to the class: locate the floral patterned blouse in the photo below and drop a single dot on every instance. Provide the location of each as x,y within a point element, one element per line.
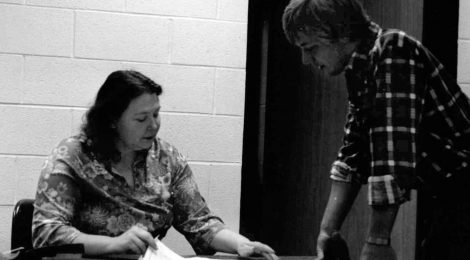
<point>76,193</point>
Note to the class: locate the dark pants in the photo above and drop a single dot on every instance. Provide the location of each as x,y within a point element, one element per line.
<point>449,233</point>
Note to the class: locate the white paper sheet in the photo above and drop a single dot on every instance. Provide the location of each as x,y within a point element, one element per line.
<point>164,253</point>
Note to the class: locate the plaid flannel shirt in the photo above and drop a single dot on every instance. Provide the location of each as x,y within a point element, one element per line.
<point>408,122</point>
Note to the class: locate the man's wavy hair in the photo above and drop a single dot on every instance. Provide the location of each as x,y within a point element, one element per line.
<point>113,98</point>
<point>328,19</point>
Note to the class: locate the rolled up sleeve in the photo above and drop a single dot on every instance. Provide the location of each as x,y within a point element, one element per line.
<point>352,161</point>
<point>396,115</point>
<point>384,190</point>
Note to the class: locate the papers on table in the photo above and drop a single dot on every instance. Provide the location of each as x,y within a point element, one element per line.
<point>164,253</point>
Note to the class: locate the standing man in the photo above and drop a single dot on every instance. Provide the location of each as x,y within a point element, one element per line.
<point>408,126</point>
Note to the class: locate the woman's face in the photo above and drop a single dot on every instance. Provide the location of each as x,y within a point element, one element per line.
<point>139,123</point>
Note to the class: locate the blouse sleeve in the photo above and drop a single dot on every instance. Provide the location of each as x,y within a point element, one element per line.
<point>56,199</point>
<point>192,216</point>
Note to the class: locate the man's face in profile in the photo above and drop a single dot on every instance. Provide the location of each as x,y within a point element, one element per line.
<point>328,56</point>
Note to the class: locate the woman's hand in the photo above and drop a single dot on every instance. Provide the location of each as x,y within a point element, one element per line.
<point>248,248</point>
<point>376,252</point>
<point>331,247</point>
<point>135,240</point>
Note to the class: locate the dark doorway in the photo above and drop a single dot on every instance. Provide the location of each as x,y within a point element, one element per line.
<point>440,36</point>
<point>294,119</point>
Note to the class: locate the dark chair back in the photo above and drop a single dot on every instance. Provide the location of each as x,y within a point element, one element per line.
<point>21,224</point>
<point>21,236</point>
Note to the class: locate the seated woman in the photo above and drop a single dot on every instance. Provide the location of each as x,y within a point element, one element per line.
<point>116,185</point>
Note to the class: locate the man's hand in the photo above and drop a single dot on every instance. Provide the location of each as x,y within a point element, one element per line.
<point>331,247</point>
<point>376,252</point>
<point>330,244</point>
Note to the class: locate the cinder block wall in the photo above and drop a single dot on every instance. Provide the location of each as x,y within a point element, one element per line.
<point>54,55</point>
<point>463,67</point>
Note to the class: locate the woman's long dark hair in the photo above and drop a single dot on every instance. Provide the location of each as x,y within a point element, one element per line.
<point>113,98</point>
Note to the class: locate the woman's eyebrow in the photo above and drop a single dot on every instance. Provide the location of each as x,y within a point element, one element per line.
<point>147,111</point>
